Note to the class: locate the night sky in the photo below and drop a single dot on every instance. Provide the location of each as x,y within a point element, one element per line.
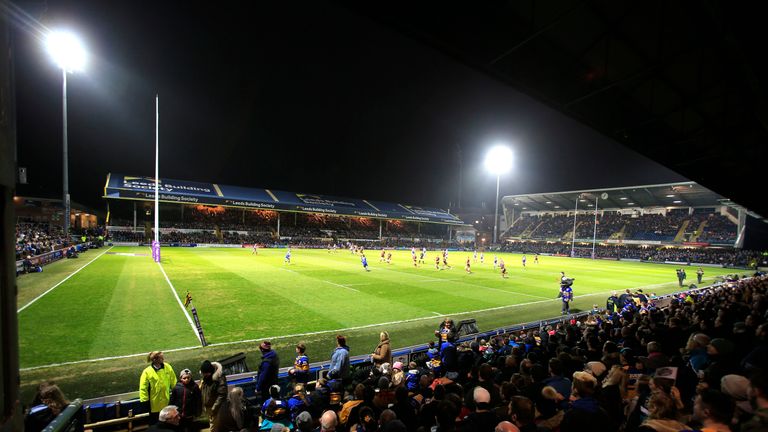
<point>312,99</point>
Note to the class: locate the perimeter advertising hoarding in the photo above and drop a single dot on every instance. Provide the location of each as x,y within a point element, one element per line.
<point>186,192</point>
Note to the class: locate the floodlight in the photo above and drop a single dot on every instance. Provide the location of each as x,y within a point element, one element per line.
<point>66,50</point>
<point>499,160</point>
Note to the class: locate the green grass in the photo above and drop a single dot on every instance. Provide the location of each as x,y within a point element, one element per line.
<point>121,305</point>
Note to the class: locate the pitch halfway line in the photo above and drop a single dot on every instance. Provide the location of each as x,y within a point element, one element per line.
<point>64,280</point>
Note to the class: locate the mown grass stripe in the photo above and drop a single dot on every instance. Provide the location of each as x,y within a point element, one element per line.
<point>62,281</point>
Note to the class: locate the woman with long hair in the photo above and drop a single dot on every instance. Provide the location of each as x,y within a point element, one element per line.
<point>234,415</point>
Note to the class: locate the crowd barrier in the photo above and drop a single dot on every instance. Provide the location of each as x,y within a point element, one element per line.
<point>49,257</point>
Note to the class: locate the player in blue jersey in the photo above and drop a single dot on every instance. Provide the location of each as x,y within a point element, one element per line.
<point>364,260</point>
<point>287,257</point>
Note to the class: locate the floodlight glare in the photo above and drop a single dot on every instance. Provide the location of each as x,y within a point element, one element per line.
<point>499,160</point>
<point>66,50</point>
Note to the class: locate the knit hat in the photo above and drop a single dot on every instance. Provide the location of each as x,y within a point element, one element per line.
<point>303,419</point>
<point>398,365</point>
<point>266,346</point>
<point>207,367</point>
<point>736,387</point>
<point>723,346</point>
<point>597,368</point>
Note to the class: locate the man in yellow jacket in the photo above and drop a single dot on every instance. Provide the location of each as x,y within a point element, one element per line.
<point>155,384</point>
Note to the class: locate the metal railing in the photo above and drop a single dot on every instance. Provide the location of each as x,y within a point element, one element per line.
<point>69,420</point>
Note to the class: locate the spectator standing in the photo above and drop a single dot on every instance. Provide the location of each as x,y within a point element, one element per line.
<point>270,365</point>
<point>300,369</point>
<point>446,332</point>
<point>213,387</point>
<point>234,414</point>
<point>155,384</point>
<point>383,352</point>
<point>187,398</point>
<point>339,367</point>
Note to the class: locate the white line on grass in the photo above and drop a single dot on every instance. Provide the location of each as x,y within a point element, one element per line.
<point>181,305</point>
<point>64,280</point>
<point>339,285</point>
<point>329,282</point>
<point>431,317</point>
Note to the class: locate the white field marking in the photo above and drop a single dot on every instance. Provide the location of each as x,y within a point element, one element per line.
<point>462,281</point>
<point>439,280</point>
<point>321,280</point>
<point>339,285</point>
<point>358,284</point>
<point>509,292</point>
<point>181,305</point>
<point>307,334</point>
<point>437,313</point>
<point>63,280</point>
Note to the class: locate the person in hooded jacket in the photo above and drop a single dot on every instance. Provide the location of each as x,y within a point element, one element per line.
<point>213,388</point>
<point>187,398</point>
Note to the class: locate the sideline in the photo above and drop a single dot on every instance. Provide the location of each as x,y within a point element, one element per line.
<point>430,317</point>
<point>181,305</point>
<point>64,280</point>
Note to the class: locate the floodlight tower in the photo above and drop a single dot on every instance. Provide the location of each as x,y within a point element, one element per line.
<point>498,161</point>
<point>68,53</point>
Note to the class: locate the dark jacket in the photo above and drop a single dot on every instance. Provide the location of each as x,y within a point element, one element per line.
<point>162,427</point>
<point>270,365</point>
<point>188,399</point>
<point>484,421</point>
<point>586,414</point>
